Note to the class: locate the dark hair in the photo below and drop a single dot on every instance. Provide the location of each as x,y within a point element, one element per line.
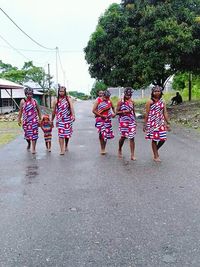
<point>59,87</point>
<point>128,91</point>
<point>106,93</point>
<point>155,88</point>
<point>28,90</point>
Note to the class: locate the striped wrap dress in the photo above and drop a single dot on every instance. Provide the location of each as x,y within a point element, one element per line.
<point>47,129</point>
<point>127,122</point>
<point>104,126</point>
<point>64,118</point>
<point>30,119</point>
<point>155,127</point>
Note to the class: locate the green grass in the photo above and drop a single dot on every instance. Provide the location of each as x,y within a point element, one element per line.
<point>8,131</point>
<point>6,125</point>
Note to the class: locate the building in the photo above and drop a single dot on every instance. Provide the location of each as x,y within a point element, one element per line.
<point>11,94</point>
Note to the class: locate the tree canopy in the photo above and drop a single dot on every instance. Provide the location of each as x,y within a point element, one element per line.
<point>29,72</point>
<point>135,41</point>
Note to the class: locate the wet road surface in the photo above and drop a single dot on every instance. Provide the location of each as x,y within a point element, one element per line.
<point>84,209</point>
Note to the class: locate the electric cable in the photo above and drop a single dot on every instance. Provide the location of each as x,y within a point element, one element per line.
<point>16,50</point>
<point>25,32</point>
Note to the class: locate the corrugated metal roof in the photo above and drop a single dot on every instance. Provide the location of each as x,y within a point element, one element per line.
<point>5,84</point>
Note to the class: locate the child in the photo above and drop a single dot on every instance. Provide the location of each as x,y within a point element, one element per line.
<point>156,122</point>
<point>102,110</point>
<point>127,123</point>
<point>46,126</point>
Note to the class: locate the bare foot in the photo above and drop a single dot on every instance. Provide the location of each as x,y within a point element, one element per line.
<point>62,153</point>
<point>133,158</point>
<point>119,154</point>
<point>157,159</point>
<point>103,152</point>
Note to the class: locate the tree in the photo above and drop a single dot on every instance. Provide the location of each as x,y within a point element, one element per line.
<point>29,72</point>
<point>36,74</point>
<point>97,86</point>
<point>134,42</point>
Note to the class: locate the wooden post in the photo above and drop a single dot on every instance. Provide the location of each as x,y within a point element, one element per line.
<point>190,87</point>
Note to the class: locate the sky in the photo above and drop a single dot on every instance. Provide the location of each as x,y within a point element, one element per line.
<point>65,24</point>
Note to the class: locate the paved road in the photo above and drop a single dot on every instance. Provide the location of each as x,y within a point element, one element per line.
<point>84,209</point>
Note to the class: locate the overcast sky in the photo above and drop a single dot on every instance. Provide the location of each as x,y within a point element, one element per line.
<point>65,24</point>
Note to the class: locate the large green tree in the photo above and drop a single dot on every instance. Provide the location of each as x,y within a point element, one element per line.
<point>135,41</point>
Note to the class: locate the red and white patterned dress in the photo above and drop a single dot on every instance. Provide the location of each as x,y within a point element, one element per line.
<point>30,119</point>
<point>64,118</point>
<point>104,126</point>
<point>155,127</point>
<point>127,123</point>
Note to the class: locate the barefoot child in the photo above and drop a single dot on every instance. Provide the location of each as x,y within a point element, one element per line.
<point>103,114</point>
<point>156,122</point>
<point>127,123</point>
<point>46,127</point>
<point>30,114</point>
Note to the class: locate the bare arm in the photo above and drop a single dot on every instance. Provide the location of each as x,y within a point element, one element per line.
<point>118,108</point>
<point>53,110</point>
<point>94,109</point>
<point>147,109</point>
<point>20,112</point>
<point>38,111</point>
<point>71,108</point>
<point>166,117</point>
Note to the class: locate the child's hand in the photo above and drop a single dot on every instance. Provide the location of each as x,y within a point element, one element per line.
<point>73,117</point>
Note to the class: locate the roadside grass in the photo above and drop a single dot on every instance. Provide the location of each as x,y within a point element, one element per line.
<point>166,96</point>
<point>9,130</point>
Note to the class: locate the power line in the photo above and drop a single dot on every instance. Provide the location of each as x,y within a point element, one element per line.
<point>15,49</point>
<point>42,51</point>
<point>61,66</point>
<point>60,62</point>
<point>25,32</point>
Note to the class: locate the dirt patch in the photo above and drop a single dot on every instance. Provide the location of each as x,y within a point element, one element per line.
<point>186,114</point>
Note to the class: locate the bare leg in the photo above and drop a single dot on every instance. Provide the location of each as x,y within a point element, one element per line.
<point>46,143</point>
<point>62,146</point>
<point>121,143</point>
<point>29,144</point>
<point>33,143</point>
<point>102,144</point>
<point>132,147</point>
<point>160,143</point>
<point>155,151</point>
<point>49,146</point>
<point>66,144</point>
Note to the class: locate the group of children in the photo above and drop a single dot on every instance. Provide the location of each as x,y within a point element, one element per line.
<point>156,121</point>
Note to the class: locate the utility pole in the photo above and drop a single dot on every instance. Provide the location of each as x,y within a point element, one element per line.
<point>49,85</point>
<point>57,67</point>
